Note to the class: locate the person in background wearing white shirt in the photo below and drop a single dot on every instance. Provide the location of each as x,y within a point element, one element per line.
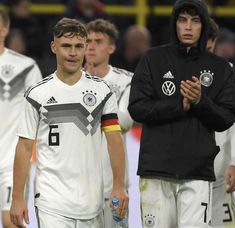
<point>223,207</point>
<point>17,73</point>
<point>102,36</point>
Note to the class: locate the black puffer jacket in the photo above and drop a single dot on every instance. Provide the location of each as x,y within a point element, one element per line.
<point>175,143</point>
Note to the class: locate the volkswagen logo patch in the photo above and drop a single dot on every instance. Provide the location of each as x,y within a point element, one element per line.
<point>168,88</point>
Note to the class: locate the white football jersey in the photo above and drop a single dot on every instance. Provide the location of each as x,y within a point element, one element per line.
<point>17,73</point>
<point>67,122</point>
<point>226,156</point>
<point>225,140</point>
<point>119,82</point>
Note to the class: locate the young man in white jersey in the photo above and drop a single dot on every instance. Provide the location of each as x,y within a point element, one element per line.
<point>66,113</point>
<point>223,204</point>
<point>17,73</point>
<point>102,36</point>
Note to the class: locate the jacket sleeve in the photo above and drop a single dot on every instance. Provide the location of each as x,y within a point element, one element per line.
<point>144,106</point>
<point>218,114</point>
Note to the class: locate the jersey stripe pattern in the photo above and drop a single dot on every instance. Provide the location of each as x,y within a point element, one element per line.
<point>17,74</point>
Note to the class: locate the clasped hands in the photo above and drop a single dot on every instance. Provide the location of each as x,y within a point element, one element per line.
<point>191,91</point>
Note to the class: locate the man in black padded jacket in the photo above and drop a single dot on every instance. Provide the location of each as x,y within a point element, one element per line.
<point>181,94</point>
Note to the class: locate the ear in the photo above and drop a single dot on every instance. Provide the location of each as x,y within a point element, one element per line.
<point>112,49</point>
<point>53,47</point>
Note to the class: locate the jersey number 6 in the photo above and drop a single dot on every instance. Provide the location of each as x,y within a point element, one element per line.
<point>53,137</point>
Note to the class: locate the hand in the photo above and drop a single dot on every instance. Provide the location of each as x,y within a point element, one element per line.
<point>191,90</point>
<point>19,213</point>
<point>123,202</point>
<point>230,178</point>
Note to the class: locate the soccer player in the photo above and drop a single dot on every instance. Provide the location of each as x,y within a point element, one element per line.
<point>182,94</point>
<point>66,113</point>
<point>223,207</point>
<point>102,36</point>
<point>17,73</point>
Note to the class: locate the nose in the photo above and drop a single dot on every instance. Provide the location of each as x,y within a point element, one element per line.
<point>188,24</point>
<point>90,45</point>
<point>72,51</point>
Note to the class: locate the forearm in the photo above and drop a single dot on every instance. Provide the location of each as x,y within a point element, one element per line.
<point>117,159</point>
<point>21,169</point>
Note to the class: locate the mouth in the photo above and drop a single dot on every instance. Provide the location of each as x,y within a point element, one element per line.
<point>72,61</point>
<point>187,36</point>
<point>90,55</point>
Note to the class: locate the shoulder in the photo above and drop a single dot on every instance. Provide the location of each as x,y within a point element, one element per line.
<point>96,81</point>
<point>157,52</point>
<point>19,58</point>
<point>39,87</point>
<point>215,58</point>
<point>122,72</point>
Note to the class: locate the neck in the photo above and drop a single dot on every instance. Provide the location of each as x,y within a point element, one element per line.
<point>2,48</point>
<point>68,78</point>
<point>100,70</point>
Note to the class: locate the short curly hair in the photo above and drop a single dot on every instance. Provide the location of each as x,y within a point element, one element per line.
<point>70,27</point>
<point>103,26</point>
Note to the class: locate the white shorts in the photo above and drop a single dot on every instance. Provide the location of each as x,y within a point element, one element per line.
<point>170,203</point>
<point>50,220</point>
<point>6,184</point>
<point>223,208</point>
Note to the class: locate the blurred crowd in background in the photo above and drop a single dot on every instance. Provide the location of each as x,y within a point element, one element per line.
<point>31,33</point>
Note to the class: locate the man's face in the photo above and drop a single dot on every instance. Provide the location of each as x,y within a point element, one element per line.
<point>99,48</point>
<point>70,52</point>
<point>188,29</point>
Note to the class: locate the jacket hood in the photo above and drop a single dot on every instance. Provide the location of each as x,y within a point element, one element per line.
<point>202,10</point>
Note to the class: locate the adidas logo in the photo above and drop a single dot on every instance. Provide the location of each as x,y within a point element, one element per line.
<point>52,100</point>
<point>168,75</point>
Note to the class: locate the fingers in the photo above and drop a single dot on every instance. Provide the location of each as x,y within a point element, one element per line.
<point>18,221</point>
<point>26,216</point>
<point>191,89</point>
<point>19,217</point>
<point>231,185</point>
<point>123,207</point>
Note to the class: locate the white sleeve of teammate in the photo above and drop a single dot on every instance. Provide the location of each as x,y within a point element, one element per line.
<point>110,106</point>
<point>124,117</point>
<point>28,121</point>
<point>232,144</point>
<point>33,77</point>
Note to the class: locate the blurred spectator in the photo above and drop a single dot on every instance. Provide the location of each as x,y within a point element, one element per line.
<point>161,2</point>
<point>22,19</point>
<point>50,1</point>
<point>119,2</point>
<point>220,2</point>
<point>136,41</point>
<point>16,41</point>
<point>85,10</point>
<point>225,45</point>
